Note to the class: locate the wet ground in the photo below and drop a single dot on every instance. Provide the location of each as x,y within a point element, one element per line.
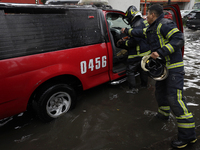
<point>106,118</point>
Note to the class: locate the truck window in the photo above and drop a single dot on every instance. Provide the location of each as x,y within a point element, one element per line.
<point>196,6</point>
<point>116,23</point>
<point>24,33</point>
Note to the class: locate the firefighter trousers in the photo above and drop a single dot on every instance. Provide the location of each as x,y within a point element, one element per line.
<point>132,68</point>
<point>169,96</point>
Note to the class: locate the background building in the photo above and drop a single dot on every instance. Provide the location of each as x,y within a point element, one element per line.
<point>140,4</point>
<point>183,4</point>
<point>124,4</point>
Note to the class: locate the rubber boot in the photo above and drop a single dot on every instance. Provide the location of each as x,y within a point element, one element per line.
<point>132,84</point>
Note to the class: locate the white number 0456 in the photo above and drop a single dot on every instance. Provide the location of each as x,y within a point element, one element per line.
<point>100,62</point>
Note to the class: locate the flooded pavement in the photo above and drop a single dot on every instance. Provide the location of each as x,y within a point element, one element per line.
<point>106,118</point>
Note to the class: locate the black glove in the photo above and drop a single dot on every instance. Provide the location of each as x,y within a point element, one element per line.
<point>126,31</point>
<point>119,42</point>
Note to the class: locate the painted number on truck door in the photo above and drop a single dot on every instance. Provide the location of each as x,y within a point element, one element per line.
<point>93,64</point>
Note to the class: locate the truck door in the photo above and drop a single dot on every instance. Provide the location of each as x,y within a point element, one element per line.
<point>119,56</point>
<point>176,17</point>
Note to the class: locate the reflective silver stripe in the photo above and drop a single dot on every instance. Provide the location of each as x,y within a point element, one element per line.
<point>186,125</point>
<point>182,104</point>
<point>140,55</point>
<point>175,65</point>
<point>165,107</point>
<point>187,116</point>
<point>172,32</point>
<point>162,112</point>
<point>161,38</point>
<point>166,41</point>
<point>170,48</point>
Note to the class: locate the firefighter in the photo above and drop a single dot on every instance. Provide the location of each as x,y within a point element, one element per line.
<point>137,48</point>
<point>166,42</point>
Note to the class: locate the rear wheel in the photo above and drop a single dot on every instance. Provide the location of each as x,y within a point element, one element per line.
<point>54,101</point>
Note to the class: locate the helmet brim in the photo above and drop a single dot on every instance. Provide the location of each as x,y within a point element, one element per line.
<point>163,76</point>
<point>143,62</point>
<point>156,76</point>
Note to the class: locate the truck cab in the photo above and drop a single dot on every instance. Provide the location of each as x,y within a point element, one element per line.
<point>49,52</point>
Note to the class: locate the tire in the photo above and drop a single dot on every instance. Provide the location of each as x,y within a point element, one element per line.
<point>54,101</point>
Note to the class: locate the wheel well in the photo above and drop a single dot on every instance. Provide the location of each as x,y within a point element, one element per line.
<point>72,81</point>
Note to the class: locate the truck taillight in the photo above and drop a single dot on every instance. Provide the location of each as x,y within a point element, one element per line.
<point>90,17</point>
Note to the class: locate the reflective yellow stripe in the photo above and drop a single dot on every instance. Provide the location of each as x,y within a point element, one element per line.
<point>161,38</point>
<point>134,12</point>
<point>144,32</point>
<point>126,43</point>
<point>172,32</point>
<point>167,60</point>
<point>170,48</point>
<point>145,23</point>
<point>182,104</point>
<point>129,32</point>
<point>175,65</point>
<point>165,107</point>
<point>163,113</point>
<point>140,55</point>
<point>193,141</point>
<point>126,13</point>
<point>187,116</point>
<point>186,125</point>
<point>182,146</point>
<point>138,49</point>
<point>166,41</point>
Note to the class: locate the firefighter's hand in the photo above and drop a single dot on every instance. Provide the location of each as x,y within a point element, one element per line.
<point>122,30</point>
<point>154,55</point>
<point>119,42</point>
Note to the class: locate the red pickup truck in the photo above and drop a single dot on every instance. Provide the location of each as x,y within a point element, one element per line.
<point>48,52</point>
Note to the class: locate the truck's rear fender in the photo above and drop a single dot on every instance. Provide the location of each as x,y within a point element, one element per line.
<point>64,73</point>
<point>28,93</point>
<point>70,77</point>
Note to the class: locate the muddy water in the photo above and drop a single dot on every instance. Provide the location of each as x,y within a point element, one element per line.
<point>192,69</point>
<point>106,118</point>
